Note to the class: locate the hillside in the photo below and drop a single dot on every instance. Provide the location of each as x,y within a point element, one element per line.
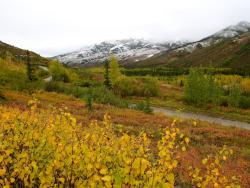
<point>18,54</point>
<point>231,53</point>
<point>127,49</point>
<point>140,52</point>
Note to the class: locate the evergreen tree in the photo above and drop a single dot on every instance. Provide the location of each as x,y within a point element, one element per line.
<point>114,69</point>
<point>148,109</point>
<point>28,66</point>
<point>89,102</point>
<point>106,74</point>
<point>1,94</point>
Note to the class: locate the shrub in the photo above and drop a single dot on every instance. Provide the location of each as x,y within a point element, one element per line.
<point>48,148</point>
<point>1,94</point>
<point>245,84</point>
<point>60,87</point>
<point>144,106</point>
<point>89,101</point>
<point>200,89</point>
<point>146,87</point>
<point>150,87</point>
<point>196,87</point>
<point>60,73</point>
<point>54,86</point>
<point>244,102</point>
<point>234,96</point>
<point>105,96</point>
<point>124,86</point>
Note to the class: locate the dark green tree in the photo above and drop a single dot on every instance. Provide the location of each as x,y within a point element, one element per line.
<point>1,94</point>
<point>28,67</point>
<point>89,100</point>
<point>106,74</point>
<point>148,109</point>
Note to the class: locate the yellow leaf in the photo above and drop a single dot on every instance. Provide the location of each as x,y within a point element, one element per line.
<point>183,148</point>
<point>168,185</point>
<point>2,171</point>
<point>224,158</point>
<point>12,180</point>
<point>187,140</point>
<point>144,165</point>
<point>170,178</point>
<point>204,161</point>
<point>106,178</point>
<point>62,180</point>
<point>103,171</point>
<point>136,163</point>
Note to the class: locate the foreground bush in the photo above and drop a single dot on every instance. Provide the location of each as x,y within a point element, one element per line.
<point>48,148</point>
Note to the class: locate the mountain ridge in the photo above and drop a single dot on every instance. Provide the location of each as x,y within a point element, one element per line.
<point>137,50</point>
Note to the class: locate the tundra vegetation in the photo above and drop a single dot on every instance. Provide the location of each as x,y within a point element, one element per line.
<point>79,130</point>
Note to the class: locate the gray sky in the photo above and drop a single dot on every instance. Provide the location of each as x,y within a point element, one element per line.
<point>51,27</point>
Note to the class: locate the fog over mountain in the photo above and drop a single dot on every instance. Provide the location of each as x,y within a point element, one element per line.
<point>60,26</point>
<point>134,50</point>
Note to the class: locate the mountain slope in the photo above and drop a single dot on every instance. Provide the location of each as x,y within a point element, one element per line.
<point>229,47</point>
<point>129,49</point>
<point>18,54</point>
<point>137,52</point>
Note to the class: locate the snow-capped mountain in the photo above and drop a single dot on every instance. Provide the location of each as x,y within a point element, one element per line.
<point>228,32</point>
<point>135,49</point>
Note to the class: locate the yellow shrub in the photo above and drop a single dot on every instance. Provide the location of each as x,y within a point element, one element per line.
<point>212,175</point>
<point>245,84</point>
<point>49,148</point>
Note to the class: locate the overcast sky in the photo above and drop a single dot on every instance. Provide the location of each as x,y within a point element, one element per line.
<point>51,27</point>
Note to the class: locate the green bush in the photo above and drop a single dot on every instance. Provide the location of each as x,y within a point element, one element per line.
<point>124,86</point>
<point>1,94</point>
<point>54,86</point>
<point>196,87</point>
<point>127,86</point>
<point>150,87</point>
<point>144,106</point>
<point>244,102</point>
<point>105,96</point>
<point>61,87</point>
<point>234,96</point>
<point>60,73</point>
<point>201,89</point>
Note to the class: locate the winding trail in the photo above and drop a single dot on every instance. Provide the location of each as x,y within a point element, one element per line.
<point>201,117</point>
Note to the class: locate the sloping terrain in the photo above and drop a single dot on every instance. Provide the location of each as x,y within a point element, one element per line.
<point>139,52</point>
<point>232,52</point>
<point>18,54</point>
<point>132,49</point>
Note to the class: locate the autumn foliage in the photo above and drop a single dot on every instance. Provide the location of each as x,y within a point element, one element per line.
<point>49,148</point>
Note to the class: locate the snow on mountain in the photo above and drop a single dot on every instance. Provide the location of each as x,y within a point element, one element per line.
<point>228,32</point>
<point>233,30</point>
<point>136,49</point>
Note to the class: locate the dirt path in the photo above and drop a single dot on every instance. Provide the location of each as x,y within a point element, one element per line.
<point>201,117</point>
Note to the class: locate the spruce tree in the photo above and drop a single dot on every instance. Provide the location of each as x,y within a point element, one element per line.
<point>28,66</point>
<point>106,74</point>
